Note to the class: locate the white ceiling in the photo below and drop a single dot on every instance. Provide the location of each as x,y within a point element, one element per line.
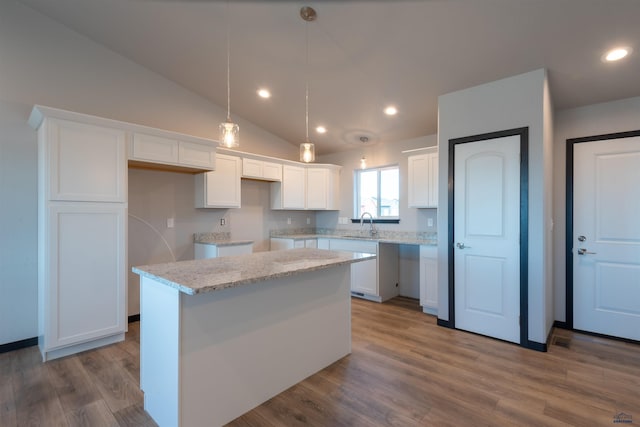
<point>364,55</point>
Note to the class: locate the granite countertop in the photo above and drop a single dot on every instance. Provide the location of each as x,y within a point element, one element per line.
<point>218,239</point>
<point>205,275</point>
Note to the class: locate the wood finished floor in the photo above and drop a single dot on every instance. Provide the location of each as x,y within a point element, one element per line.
<point>403,371</point>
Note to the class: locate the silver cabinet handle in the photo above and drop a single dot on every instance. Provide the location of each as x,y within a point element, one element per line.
<point>583,251</point>
<point>462,246</point>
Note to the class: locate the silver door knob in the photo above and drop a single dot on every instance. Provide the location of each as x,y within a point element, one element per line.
<point>462,246</point>
<point>583,251</point>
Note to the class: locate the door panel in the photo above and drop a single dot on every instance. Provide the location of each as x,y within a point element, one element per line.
<point>486,236</point>
<point>606,275</point>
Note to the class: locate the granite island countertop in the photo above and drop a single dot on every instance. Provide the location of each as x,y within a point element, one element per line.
<point>206,275</point>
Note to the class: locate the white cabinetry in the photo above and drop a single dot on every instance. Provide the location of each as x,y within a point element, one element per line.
<point>375,279</point>
<point>155,149</point>
<point>208,250</point>
<point>220,188</point>
<point>284,243</point>
<point>290,193</point>
<point>423,180</point>
<point>429,279</point>
<point>312,187</point>
<point>82,214</point>
<point>260,169</point>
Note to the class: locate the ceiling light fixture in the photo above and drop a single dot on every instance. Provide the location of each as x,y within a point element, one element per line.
<point>363,162</point>
<point>321,129</point>
<point>307,149</point>
<point>264,93</point>
<point>229,131</point>
<point>616,54</point>
<point>391,110</point>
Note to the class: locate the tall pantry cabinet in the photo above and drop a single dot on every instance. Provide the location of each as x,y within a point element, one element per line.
<point>82,217</point>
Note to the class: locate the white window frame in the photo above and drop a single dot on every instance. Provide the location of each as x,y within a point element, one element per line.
<point>356,193</point>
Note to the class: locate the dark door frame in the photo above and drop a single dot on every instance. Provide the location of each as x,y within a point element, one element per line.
<point>523,133</point>
<point>568,323</point>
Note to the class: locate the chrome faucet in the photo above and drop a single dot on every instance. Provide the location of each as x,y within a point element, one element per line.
<point>372,231</point>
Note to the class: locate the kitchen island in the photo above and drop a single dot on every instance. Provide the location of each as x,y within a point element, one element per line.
<point>221,336</point>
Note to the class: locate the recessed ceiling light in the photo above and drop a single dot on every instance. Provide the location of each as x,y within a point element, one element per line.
<point>391,110</point>
<point>321,129</point>
<point>616,54</point>
<point>264,93</point>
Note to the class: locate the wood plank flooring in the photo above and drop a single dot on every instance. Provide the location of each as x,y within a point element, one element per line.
<point>403,371</point>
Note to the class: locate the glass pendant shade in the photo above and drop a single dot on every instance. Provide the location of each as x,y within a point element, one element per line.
<point>229,134</point>
<point>307,152</point>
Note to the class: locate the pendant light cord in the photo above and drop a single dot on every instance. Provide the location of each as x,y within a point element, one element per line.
<point>228,68</point>
<point>307,81</point>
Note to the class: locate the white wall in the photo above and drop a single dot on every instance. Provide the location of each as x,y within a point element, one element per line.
<point>513,102</point>
<point>610,117</point>
<point>43,62</point>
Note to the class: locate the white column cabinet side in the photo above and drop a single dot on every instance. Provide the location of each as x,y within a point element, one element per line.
<point>206,250</point>
<point>291,192</point>
<point>220,188</point>
<point>364,275</point>
<point>423,180</point>
<point>82,195</point>
<point>429,279</point>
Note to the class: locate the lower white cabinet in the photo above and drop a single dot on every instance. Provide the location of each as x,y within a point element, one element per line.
<point>220,188</point>
<point>81,277</point>
<point>207,250</point>
<point>429,279</point>
<point>375,279</point>
<point>284,243</point>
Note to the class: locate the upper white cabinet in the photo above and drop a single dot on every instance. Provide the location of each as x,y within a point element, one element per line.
<point>423,180</point>
<point>85,162</point>
<point>313,187</point>
<point>260,169</point>
<point>220,188</point>
<point>323,187</point>
<point>155,149</point>
<point>291,192</point>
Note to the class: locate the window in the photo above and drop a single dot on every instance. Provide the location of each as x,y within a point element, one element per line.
<point>377,191</point>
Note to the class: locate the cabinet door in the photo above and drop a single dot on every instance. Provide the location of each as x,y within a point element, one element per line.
<point>197,155</point>
<point>429,278</point>
<point>251,168</point>
<point>298,243</point>
<point>317,191</point>
<point>154,149</point>
<point>220,188</point>
<point>87,162</point>
<point>85,294</point>
<point>293,187</point>
<point>364,277</point>
<point>272,171</point>
<point>311,243</point>
<point>423,180</point>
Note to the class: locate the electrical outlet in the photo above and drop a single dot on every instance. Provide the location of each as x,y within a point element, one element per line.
<point>289,221</point>
<point>429,222</point>
<point>308,220</point>
<point>170,222</point>
<point>223,222</point>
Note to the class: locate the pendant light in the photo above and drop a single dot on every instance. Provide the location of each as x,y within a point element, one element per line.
<point>229,131</point>
<point>307,149</point>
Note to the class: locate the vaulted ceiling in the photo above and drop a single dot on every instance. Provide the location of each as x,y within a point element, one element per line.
<point>364,55</point>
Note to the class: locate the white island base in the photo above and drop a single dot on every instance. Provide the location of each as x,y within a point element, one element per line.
<point>208,358</point>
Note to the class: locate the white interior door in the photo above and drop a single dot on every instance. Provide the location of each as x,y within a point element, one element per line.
<point>487,236</point>
<point>606,237</point>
